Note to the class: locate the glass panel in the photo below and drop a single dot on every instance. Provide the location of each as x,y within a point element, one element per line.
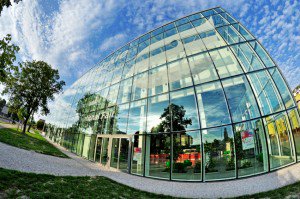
<point>113,94</point>
<point>262,54</point>
<point>139,86</point>
<point>240,98</point>
<point>295,125</point>
<point>128,69</point>
<point>186,30</point>
<point>137,117</point>
<point>123,157</point>
<point>225,62</point>
<point>138,150</point>
<point>157,51</point>
<point>212,39</point>
<point>157,31</point>
<point>279,140</point>
<point>202,25</point>
<point>230,35</point>
<point>104,151</point>
<point>218,153</point>
<point>193,44</point>
<point>212,105</point>
<point>187,156</point>
<point>282,87</point>
<point>120,125</point>
<point>179,74</point>
<point>158,114</point>
<point>98,149</point>
<point>169,26</point>
<point>217,20</point>
<point>131,53</point>
<point>174,49</point>
<point>86,146</point>
<point>92,148</point>
<point>202,68</point>
<point>115,153</point>
<point>228,17</point>
<point>251,148</point>
<point>142,61</point>
<point>208,13</point>
<point>158,80</point>
<point>265,90</point>
<point>124,94</point>
<point>247,57</point>
<point>243,31</point>
<point>157,162</point>
<point>181,21</point>
<point>117,74</point>
<point>195,16</point>
<point>184,110</point>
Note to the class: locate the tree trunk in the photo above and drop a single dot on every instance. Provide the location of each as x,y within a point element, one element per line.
<point>24,125</point>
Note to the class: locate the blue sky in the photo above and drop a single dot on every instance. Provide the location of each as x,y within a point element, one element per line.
<point>74,35</point>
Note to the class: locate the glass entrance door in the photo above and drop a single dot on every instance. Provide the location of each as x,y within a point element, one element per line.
<point>113,151</point>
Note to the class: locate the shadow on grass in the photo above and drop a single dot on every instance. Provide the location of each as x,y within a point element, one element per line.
<point>17,184</point>
<point>30,141</point>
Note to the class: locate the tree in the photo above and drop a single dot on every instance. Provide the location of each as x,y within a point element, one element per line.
<point>7,57</point>
<point>40,124</point>
<point>32,87</point>
<point>2,104</point>
<point>6,3</point>
<point>179,122</point>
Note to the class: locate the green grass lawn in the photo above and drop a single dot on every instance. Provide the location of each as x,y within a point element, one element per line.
<point>14,184</point>
<point>30,141</point>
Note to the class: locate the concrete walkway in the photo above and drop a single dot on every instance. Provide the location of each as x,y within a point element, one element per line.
<point>29,161</point>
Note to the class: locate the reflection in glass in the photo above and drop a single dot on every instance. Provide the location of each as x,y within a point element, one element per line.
<point>225,62</point>
<point>282,87</point>
<point>187,156</point>
<point>240,98</point>
<point>179,74</point>
<point>218,153</point>
<point>212,105</point>
<point>115,153</point>
<point>157,162</point>
<point>158,80</point>
<point>137,117</point>
<point>184,110</point>
<point>158,106</point>
<point>120,124</point>
<point>250,148</point>
<point>212,39</point>
<point>295,125</point>
<point>262,54</point>
<point>193,44</point>
<point>247,57</point>
<point>137,161</point>
<point>266,92</point>
<point>202,68</point>
<point>124,94</point>
<point>139,86</point>
<point>279,140</point>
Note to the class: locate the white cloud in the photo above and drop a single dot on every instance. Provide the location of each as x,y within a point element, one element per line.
<point>58,38</point>
<point>113,42</point>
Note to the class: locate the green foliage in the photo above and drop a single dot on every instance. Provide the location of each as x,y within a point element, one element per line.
<point>246,164</point>
<point>2,103</point>
<point>6,3</point>
<point>32,87</point>
<point>29,141</point>
<point>40,124</point>
<point>197,168</point>
<point>7,57</point>
<point>178,120</point>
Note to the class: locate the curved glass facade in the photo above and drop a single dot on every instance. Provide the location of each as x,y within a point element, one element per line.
<point>198,99</point>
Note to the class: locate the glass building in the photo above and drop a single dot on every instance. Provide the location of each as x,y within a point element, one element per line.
<point>198,99</point>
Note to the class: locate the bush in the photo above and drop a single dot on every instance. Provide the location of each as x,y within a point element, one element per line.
<point>179,167</point>
<point>197,168</point>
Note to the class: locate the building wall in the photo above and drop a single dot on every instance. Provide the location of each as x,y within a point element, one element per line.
<point>200,97</point>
